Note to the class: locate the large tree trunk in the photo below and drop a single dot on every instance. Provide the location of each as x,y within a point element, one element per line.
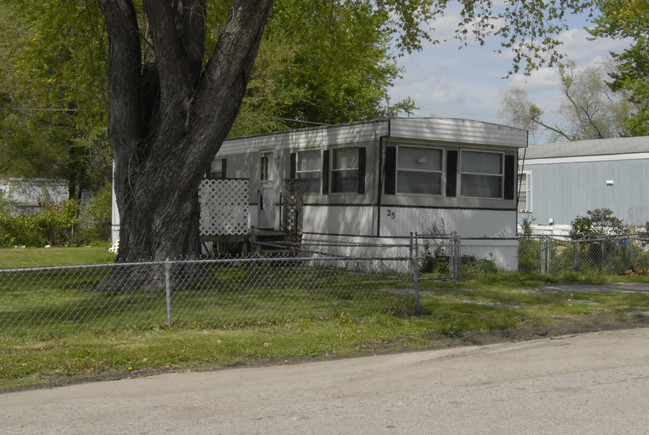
<point>169,114</point>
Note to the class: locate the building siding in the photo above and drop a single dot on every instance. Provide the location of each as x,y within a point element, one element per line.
<point>562,191</point>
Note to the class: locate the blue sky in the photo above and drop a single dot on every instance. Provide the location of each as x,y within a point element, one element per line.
<point>448,82</point>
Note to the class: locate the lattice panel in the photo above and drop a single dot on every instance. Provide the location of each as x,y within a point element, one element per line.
<point>224,207</point>
<point>292,209</point>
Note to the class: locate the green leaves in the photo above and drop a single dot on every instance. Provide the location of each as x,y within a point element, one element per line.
<point>57,103</point>
<point>628,19</point>
<point>321,61</point>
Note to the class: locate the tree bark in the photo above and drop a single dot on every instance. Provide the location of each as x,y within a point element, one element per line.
<point>170,114</point>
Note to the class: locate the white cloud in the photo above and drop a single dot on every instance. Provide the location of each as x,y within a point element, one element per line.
<point>468,83</point>
<point>542,78</point>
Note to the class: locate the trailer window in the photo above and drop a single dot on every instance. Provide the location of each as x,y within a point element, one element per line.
<point>481,174</point>
<point>309,167</point>
<point>419,170</point>
<point>264,166</point>
<point>344,170</point>
<point>525,192</point>
<point>217,169</point>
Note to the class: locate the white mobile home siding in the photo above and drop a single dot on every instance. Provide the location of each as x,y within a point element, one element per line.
<point>375,213</point>
<point>378,211</point>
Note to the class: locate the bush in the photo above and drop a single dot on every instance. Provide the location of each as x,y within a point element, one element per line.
<point>53,226</point>
<point>480,266</point>
<point>435,261</point>
<point>97,218</point>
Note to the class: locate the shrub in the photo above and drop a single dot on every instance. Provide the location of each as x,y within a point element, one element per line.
<point>480,266</point>
<point>96,219</point>
<point>435,261</point>
<point>53,226</point>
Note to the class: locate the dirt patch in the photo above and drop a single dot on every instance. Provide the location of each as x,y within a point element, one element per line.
<point>558,328</point>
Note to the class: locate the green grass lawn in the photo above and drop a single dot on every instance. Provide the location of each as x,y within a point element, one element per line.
<point>57,327</point>
<point>11,258</point>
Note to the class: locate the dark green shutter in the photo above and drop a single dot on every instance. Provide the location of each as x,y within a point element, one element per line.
<point>390,170</point>
<point>325,172</point>
<point>362,152</point>
<point>451,174</point>
<point>510,177</point>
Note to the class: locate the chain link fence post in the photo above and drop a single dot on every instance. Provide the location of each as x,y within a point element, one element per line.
<point>544,256</point>
<point>455,257</point>
<point>168,289</point>
<point>414,270</point>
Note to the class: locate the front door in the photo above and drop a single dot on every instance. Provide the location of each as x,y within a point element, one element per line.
<point>268,191</point>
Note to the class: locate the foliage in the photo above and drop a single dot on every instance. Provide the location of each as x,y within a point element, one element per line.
<point>435,258</point>
<point>53,226</point>
<point>98,216</point>
<point>57,224</point>
<point>529,250</point>
<point>605,247</point>
<point>482,266</point>
<point>628,19</point>
<point>304,73</point>
<point>600,222</point>
<point>590,109</point>
<point>54,124</point>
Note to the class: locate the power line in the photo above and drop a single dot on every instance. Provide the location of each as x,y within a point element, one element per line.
<point>38,109</point>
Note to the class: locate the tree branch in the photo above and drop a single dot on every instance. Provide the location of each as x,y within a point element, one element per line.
<point>124,74</point>
<point>228,71</point>
<point>191,23</point>
<point>170,56</point>
<point>554,129</point>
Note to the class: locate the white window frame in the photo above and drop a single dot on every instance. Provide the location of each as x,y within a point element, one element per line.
<point>335,170</point>
<point>299,173</point>
<point>429,171</point>
<point>462,173</point>
<point>525,189</point>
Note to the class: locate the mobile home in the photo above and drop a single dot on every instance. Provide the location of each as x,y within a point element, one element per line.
<point>370,181</point>
<point>381,179</point>
<point>27,196</point>
<point>560,181</point>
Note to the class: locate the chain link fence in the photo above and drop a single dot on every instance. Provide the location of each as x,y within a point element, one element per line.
<point>284,283</point>
<point>609,255</point>
<point>219,293</point>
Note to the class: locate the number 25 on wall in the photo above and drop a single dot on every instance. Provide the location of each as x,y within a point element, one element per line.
<point>391,214</point>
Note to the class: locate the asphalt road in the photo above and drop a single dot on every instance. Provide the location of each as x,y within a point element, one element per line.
<point>582,384</point>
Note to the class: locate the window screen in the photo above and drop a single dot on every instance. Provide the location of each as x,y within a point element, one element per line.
<point>344,170</point>
<point>482,174</point>
<point>419,170</point>
<point>309,166</point>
